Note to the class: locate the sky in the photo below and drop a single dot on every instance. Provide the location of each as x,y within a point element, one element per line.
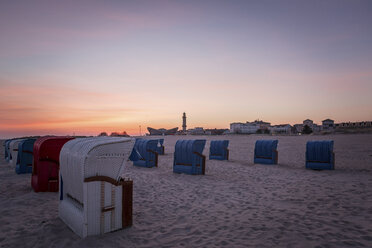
<point>83,67</point>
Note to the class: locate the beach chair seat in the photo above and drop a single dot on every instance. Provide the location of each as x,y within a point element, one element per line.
<point>25,156</point>
<point>320,155</point>
<point>218,150</point>
<point>144,153</point>
<point>265,152</point>
<point>94,198</point>
<point>189,158</point>
<point>45,166</point>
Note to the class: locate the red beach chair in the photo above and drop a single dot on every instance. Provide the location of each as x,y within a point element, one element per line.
<point>45,167</point>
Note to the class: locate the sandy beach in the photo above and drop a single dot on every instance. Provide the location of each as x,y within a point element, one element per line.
<point>236,204</point>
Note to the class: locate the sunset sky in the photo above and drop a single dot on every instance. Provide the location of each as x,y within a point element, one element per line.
<point>82,67</point>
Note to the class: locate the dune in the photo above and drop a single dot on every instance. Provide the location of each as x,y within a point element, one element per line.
<point>236,204</point>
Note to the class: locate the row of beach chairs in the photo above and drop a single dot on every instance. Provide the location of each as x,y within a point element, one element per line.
<point>94,198</point>
<point>189,158</point>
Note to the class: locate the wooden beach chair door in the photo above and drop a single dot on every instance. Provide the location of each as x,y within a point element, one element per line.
<point>112,208</point>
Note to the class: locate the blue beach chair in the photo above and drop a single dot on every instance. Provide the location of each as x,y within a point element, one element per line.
<point>144,153</point>
<point>25,156</point>
<point>134,155</point>
<point>265,152</point>
<point>188,157</point>
<point>218,150</point>
<point>320,155</point>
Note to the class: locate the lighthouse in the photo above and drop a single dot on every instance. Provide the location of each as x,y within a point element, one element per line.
<point>184,122</point>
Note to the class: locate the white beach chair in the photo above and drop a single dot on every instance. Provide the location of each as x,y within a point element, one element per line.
<point>94,199</point>
<point>13,146</point>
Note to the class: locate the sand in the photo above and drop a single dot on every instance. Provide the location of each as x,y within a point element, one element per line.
<point>236,204</point>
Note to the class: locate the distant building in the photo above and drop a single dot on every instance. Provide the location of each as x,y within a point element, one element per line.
<point>298,127</point>
<point>316,128</point>
<point>184,122</point>
<point>162,131</point>
<point>116,134</point>
<point>244,128</point>
<point>216,131</point>
<point>196,131</point>
<point>351,125</point>
<point>249,127</point>
<point>328,125</point>
<point>308,122</point>
<point>262,124</point>
<point>281,129</point>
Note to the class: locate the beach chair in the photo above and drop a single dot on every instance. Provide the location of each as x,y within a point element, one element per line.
<point>218,150</point>
<point>320,155</point>
<point>265,152</point>
<point>189,158</point>
<point>13,148</point>
<point>94,198</point>
<point>7,147</point>
<point>144,153</point>
<point>160,147</point>
<point>25,156</point>
<point>45,166</point>
<point>6,150</point>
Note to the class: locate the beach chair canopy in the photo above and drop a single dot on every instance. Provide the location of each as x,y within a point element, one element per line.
<point>265,152</point>
<point>319,155</point>
<point>46,162</point>
<point>25,156</point>
<point>13,148</point>
<point>91,187</point>
<point>144,153</point>
<point>188,157</point>
<point>134,155</point>
<point>218,150</point>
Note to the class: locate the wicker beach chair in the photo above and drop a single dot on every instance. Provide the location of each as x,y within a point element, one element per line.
<point>25,156</point>
<point>265,152</point>
<point>189,158</point>
<point>320,155</point>
<point>46,163</point>
<point>144,153</point>
<point>13,149</point>
<point>94,198</point>
<point>218,150</point>
<point>6,149</point>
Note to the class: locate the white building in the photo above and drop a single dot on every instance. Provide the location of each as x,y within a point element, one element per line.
<point>196,131</point>
<point>246,128</point>
<point>328,125</point>
<point>281,129</point>
<point>249,127</point>
<point>263,125</point>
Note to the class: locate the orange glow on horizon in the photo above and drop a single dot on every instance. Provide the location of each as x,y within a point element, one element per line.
<point>122,65</point>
